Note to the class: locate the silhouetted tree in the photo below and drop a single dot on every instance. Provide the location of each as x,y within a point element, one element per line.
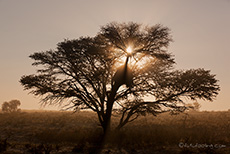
<point>11,106</point>
<point>98,73</point>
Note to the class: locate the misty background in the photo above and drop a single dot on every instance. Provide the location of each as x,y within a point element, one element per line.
<point>200,30</point>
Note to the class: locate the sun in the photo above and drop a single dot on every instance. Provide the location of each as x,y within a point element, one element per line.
<point>129,50</point>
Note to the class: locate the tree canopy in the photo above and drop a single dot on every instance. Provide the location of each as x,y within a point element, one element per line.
<point>87,73</point>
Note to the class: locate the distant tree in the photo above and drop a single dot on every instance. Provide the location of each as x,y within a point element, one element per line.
<point>125,69</point>
<point>11,106</point>
<point>197,106</point>
<point>194,106</point>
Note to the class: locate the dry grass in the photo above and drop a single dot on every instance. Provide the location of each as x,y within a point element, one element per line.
<point>65,132</point>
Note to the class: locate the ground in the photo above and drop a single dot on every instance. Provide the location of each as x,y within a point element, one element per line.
<point>62,132</point>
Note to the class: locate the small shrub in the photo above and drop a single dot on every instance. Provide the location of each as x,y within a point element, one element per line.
<point>39,149</point>
<point>3,145</point>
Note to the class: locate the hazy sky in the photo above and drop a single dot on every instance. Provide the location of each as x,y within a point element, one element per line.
<point>200,29</point>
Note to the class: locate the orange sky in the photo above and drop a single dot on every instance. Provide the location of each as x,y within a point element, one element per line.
<point>200,29</point>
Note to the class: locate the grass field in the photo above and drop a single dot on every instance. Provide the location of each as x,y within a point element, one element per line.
<point>66,133</point>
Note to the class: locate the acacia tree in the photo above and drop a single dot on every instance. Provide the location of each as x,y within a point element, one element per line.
<point>125,69</point>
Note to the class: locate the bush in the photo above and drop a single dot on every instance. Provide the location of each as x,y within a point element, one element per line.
<point>3,145</point>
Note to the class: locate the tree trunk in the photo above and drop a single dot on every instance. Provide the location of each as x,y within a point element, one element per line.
<point>120,80</point>
<point>105,123</point>
<point>109,107</point>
